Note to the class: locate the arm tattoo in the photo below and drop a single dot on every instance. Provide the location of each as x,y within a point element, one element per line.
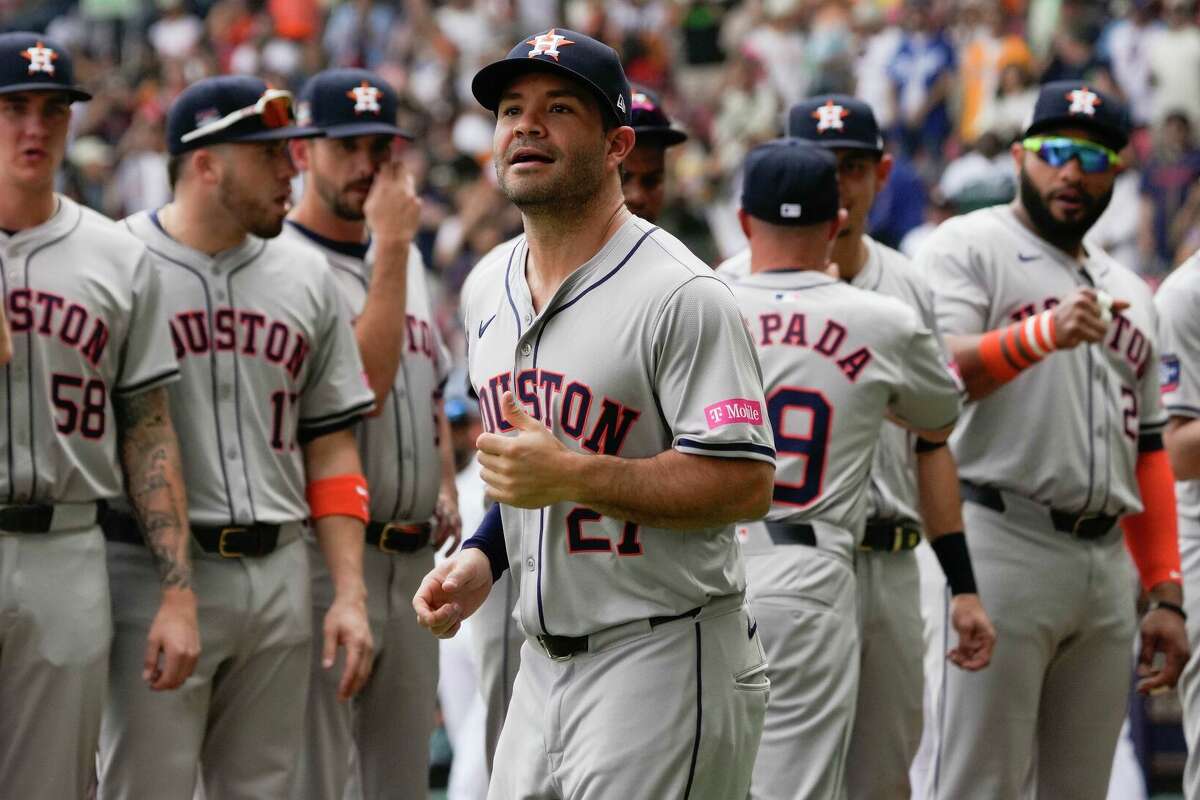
<point>154,482</point>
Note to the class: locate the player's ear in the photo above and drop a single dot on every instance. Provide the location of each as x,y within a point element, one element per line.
<point>837,224</point>
<point>620,143</point>
<point>206,164</point>
<point>744,221</point>
<point>883,170</point>
<point>1018,153</point>
<point>299,151</point>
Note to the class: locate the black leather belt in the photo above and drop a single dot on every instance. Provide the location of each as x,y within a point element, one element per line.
<point>792,533</point>
<point>561,648</point>
<point>890,537</point>
<point>230,541</point>
<point>36,518</point>
<point>395,537</point>
<point>1086,526</point>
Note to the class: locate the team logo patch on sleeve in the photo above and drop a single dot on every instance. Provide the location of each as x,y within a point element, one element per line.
<point>733,411</point>
<point>1168,375</point>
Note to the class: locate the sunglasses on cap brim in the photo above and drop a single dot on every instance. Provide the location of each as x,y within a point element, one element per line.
<point>1057,151</point>
<point>274,108</point>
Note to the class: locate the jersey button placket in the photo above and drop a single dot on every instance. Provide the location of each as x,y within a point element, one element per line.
<point>20,434</point>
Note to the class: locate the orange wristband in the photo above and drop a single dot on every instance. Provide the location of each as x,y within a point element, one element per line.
<point>341,495</point>
<point>1005,352</point>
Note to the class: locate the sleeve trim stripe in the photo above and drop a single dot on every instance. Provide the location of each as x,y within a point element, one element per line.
<point>359,409</point>
<point>1181,410</point>
<point>727,447</point>
<point>148,383</point>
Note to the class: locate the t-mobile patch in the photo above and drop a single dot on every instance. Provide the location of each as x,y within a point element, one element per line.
<point>729,412</point>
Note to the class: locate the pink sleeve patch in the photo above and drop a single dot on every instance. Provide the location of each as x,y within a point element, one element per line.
<point>737,410</point>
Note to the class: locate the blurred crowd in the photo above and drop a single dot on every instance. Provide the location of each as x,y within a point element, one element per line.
<point>951,81</point>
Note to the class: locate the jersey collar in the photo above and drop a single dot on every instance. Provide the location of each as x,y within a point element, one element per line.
<point>352,249</point>
<point>147,226</point>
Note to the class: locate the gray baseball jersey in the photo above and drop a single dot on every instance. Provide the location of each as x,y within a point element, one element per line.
<point>1177,301</point>
<point>268,361</point>
<point>835,359</point>
<point>1063,434</point>
<point>1178,305</point>
<point>1066,432</point>
<point>640,350</point>
<point>893,488</point>
<point>262,327</point>
<point>399,446</point>
<point>85,307</point>
<point>92,334</point>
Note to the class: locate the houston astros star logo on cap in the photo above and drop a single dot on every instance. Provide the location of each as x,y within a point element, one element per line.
<point>829,117</point>
<point>1083,101</point>
<point>40,58</point>
<point>547,44</point>
<point>366,99</point>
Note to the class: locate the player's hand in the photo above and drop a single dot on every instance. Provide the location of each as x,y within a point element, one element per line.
<point>447,524</point>
<point>392,208</point>
<point>1163,631</point>
<point>173,645</point>
<point>453,591</point>
<point>526,467</point>
<point>1080,318</point>
<point>346,626</point>
<point>976,636</point>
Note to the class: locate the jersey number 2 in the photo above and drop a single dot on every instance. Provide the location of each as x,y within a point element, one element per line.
<point>629,545</point>
<point>789,400</point>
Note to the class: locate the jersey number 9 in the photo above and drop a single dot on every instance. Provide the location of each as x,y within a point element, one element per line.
<point>783,405</point>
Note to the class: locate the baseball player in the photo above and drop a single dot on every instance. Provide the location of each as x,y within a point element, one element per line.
<point>913,484</point>
<point>1051,456</point>
<point>496,640</point>
<point>1179,329</point>
<point>85,403</point>
<point>360,212</point>
<point>272,385</point>
<point>835,360</point>
<point>644,170</point>
<point>619,460</point>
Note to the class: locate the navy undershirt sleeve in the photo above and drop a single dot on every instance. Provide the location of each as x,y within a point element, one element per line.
<point>489,537</point>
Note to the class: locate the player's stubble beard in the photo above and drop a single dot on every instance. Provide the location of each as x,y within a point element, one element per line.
<point>335,198</point>
<point>1064,235</point>
<point>577,184</point>
<point>258,218</point>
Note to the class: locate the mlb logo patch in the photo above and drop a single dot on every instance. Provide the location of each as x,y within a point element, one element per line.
<point>789,211</point>
<point>1168,375</point>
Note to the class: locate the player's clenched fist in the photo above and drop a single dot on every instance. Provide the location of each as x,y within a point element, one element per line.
<point>976,634</point>
<point>453,591</point>
<point>527,469</point>
<point>392,208</point>
<point>1083,316</point>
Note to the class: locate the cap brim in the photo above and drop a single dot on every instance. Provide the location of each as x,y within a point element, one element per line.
<point>74,92</point>
<point>363,129</point>
<point>665,137</point>
<point>488,84</point>
<point>847,144</point>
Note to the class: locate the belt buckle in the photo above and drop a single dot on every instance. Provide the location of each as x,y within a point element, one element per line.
<point>897,538</point>
<point>541,640</point>
<point>224,553</point>
<point>383,537</point>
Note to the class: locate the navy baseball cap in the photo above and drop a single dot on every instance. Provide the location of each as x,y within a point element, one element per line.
<point>650,122</point>
<point>790,182</point>
<point>29,62</point>
<point>561,52</point>
<point>231,108</point>
<point>836,121</point>
<point>349,102</point>
<point>1073,104</point>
